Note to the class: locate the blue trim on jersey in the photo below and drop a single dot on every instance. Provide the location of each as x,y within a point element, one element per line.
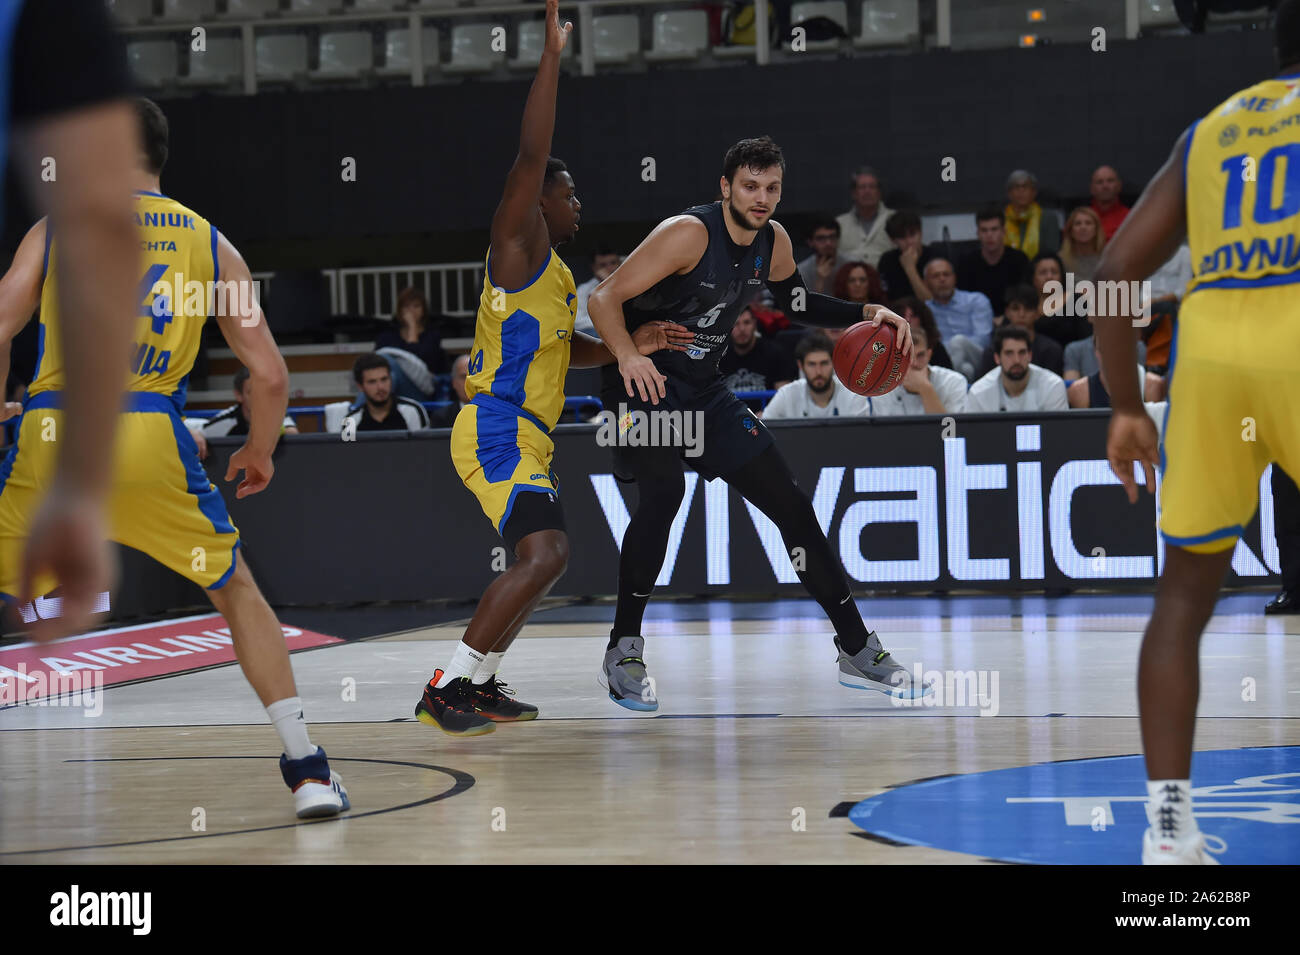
<point>1263,281</point>
<point>208,497</point>
<point>177,397</point>
<point>225,578</point>
<point>216,267</point>
<point>1169,403</point>
<point>528,284</point>
<point>497,447</point>
<point>521,337</point>
<point>40,348</point>
<point>1293,75</point>
<point>146,192</point>
<point>136,401</point>
<point>510,504</point>
<point>1236,530</point>
<point>500,407</point>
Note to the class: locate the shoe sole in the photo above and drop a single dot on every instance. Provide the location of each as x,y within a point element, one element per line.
<point>321,809</point>
<point>636,705</point>
<point>523,718</point>
<point>426,717</point>
<point>911,693</point>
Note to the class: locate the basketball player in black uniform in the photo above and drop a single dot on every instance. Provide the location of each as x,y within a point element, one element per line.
<point>701,269</point>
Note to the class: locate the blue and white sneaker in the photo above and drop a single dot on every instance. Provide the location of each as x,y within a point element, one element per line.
<point>624,675</point>
<point>317,791</point>
<point>872,668</point>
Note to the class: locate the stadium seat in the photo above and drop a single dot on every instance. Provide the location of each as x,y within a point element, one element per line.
<point>188,11</point>
<point>221,63</point>
<point>833,10</point>
<point>335,412</point>
<point>1157,13</point>
<point>345,54</point>
<point>679,35</point>
<point>397,51</point>
<point>250,9</point>
<point>281,56</point>
<point>617,39</point>
<point>130,12</point>
<point>530,41</point>
<point>889,23</point>
<point>314,8</point>
<point>153,62</point>
<point>471,49</point>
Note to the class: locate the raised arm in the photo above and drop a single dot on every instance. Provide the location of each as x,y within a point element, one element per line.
<point>20,293</point>
<point>246,332</point>
<point>520,241</point>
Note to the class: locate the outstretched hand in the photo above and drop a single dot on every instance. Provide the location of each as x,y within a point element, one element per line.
<point>662,336</point>
<point>557,37</point>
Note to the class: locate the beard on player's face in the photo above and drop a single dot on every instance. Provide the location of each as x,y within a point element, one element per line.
<point>740,218</point>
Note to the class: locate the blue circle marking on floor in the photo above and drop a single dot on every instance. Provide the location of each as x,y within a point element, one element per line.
<point>1093,811</point>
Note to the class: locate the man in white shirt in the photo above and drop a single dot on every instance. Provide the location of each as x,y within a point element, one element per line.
<point>925,389</point>
<point>862,228</point>
<point>604,262</point>
<point>817,394</point>
<point>1016,385</point>
<point>232,420</point>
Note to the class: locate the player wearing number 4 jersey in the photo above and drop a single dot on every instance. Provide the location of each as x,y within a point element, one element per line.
<point>701,269</point>
<point>1232,186</point>
<point>162,502</point>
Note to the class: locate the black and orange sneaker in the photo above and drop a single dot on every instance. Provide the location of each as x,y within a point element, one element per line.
<point>495,700</point>
<point>451,708</point>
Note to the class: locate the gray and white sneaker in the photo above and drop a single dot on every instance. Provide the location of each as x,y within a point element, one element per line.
<point>624,675</point>
<point>872,668</point>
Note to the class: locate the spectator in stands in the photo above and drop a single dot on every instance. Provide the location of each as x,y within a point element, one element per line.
<point>1030,228</point>
<point>754,363</point>
<point>232,420</point>
<point>412,347</point>
<point>818,270</point>
<point>858,282</point>
<point>817,394</point>
<point>965,319</point>
<point>1081,247</point>
<point>1105,188</point>
<point>918,315</point>
<point>1093,392</point>
<point>603,263</point>
<point>1016,384</point>
<point>1081,356</point>
<point>994,267</point>
<point>1022,312</point>
<point>925,389</point>
<point>862,228</point>
<point>382,410</point>
<point>446,417</point>
<point>901,267</point>
<point>1053,320</point>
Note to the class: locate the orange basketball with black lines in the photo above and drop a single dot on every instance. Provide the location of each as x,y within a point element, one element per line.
<point>867,361</point>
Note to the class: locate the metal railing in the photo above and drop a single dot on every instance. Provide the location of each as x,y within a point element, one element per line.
<point>452,288</point>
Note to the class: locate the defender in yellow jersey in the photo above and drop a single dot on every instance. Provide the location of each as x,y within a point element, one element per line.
<point>161,501</point>
<point>1232,185</point>
<point>501,442</point>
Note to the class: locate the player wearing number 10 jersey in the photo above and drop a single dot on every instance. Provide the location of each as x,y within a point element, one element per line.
<point>162,502</point>
<point>1232,185</point>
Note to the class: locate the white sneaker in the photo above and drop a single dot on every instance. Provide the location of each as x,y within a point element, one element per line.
<point>1192,849</point>
<point>317,790</point>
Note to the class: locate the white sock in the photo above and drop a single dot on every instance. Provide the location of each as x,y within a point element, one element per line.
<point>1169,807</point>
<point>488,668</point>
<point>464,662</point>
<point>287,717</point>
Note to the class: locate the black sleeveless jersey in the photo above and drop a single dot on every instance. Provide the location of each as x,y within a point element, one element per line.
<point>706,299</point>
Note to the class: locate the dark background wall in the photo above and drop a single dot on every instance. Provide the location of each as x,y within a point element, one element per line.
<point>431,161</point>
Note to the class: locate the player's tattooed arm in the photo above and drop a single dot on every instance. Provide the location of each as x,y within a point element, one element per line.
<point>588,352</point>
<point>520,240</point>
<point>20,293</point>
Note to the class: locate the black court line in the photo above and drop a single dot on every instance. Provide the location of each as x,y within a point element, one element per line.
<point>463,781</point>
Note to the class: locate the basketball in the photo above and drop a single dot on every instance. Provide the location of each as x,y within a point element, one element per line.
<point>866,361</point>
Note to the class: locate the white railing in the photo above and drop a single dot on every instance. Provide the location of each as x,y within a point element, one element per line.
<point>451,288</point>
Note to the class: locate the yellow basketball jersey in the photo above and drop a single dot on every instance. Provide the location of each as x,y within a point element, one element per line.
<point>1242,169</point>
<point>179,272</point>
<point>521,341</point>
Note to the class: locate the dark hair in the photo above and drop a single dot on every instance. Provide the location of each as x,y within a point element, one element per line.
<point>923,313</point>
<point>864,171</point>
<point>990,212</point>
<point>824,222</point>
<point>1286,33</point>
<point>241,377</point>
<point>604,249</point>
<point>902,224</point>
<point>365,362</point>
<point>408,296</point>
<point>1003,332</point>
<point>1023,294</point>
<point>754,154</point>
<point>553,169</point>
<point>1033,263</point>
<point>875,287</point>
<point>816,340</point>
<point>153,133</point>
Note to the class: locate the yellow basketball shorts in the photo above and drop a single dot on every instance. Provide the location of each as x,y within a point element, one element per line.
<point>1234,407</point>
<point>501,453</point>
<point>162,502</point>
